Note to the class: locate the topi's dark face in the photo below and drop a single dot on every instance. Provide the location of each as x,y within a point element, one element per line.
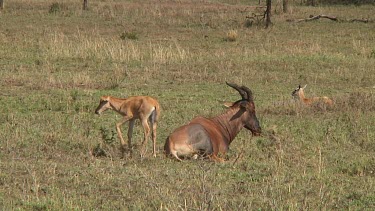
<point>252,122</point>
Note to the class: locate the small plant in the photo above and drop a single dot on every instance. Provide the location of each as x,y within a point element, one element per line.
<point>129,35</point>
<point>74,95</point>
<point>54,8</point>
<point>372,54</point>
<point>108,137</point>
<point>98,151</point>
<point>231,36</point>
<point>248,23</point>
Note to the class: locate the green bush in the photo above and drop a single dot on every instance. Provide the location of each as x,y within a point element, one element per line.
<point>129,35</point>
<point>54,8</point>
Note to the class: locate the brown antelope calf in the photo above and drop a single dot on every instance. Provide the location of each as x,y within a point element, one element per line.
<point>213,136</point>
<point>144,108</point>
<point>300,94</point>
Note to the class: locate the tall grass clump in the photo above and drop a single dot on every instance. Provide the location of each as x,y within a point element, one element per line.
<point>167,54</point>
<point>231,36</point>
<point>59,45</point>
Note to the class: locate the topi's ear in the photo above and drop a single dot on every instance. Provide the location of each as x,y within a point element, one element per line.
<point>304,86</point>
<point>228,104</point>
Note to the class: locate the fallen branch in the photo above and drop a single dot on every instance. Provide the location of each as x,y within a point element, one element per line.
<point>311,18</point>
<point>333,18</point>
<point>359,20</point>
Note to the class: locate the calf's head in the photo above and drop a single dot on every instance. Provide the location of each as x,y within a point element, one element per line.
<point>296,92</point>
<point>103,105</point>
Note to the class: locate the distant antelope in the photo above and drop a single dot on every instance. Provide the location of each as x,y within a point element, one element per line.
<point>213,136</point>
<point>300,94</point>
<point>144,108</point>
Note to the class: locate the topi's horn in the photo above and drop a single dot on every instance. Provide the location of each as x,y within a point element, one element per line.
<point>245,92</point>
<point>248,92</point>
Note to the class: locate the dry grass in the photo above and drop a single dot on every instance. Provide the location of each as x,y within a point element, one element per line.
<point>56,154</point>
<point>231,36</point>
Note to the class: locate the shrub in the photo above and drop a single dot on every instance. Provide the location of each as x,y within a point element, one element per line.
<point>129,35</point>
<point>248,23</point>
<point>54,8</point>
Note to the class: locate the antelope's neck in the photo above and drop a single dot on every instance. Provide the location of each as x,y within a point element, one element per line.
<point>301,95</point>
<point>116,103</point>
<point>228,124</point>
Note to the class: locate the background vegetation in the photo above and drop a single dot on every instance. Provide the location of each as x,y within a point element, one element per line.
<point>347,2</point>
<point>57,60</point>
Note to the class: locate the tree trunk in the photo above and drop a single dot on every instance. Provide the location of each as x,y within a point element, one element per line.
<point>85,6</point>
<point>1,4</point>
<point>285,6</point>
<point>268,13</point>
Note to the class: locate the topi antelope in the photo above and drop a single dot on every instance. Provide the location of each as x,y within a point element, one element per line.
<point>300,94</point>
<point>213,136</point>
<point>144,108</point>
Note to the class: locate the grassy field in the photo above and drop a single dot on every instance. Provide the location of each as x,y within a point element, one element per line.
<point>57,60</point>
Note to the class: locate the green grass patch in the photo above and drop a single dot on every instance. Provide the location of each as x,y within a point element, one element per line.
<point>57,60</point>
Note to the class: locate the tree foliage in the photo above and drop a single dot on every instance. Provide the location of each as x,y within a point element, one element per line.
<point>345,2</point>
